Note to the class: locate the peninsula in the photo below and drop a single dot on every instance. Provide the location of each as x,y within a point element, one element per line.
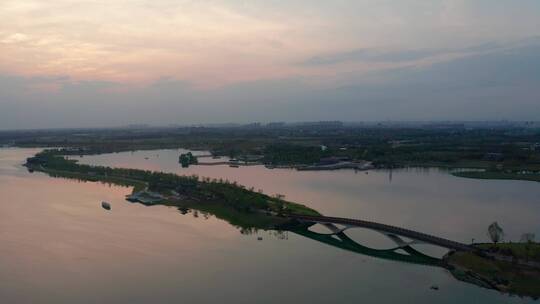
<point>227,200</point>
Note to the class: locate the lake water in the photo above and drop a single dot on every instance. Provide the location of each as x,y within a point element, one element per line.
<point>59,246</point>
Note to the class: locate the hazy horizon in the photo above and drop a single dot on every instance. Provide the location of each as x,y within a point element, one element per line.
<point>115,63</point>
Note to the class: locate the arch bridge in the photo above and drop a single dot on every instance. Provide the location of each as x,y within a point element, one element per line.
<point>393,232</point>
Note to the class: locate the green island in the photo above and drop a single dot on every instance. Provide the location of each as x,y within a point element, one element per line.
<point>187,159</point>
<point>508,267</point>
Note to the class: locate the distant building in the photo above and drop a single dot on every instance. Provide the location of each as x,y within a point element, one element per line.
<point>332,160</point>
<point>399,143</point>
<point>145,197</point>
<point>322,124</point>
<point>137,126</point>
<point>445,125</point>
<point>275,125</point>
<point>494,156</point>
<point>532,124</point>
<point>253,125</point>
<point>250,158</point>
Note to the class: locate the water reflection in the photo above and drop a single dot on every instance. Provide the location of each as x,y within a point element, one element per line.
<point>423,199</point>
<point>402,252</point>
<point>340,240</point>
<point>60,246</point>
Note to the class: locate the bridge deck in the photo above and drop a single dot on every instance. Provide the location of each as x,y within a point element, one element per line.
<point>386,228</point>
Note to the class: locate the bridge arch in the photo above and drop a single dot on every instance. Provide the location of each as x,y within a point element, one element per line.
<point>395,233</point>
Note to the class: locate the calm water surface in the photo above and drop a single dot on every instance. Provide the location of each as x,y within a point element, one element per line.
<point>60,246</point>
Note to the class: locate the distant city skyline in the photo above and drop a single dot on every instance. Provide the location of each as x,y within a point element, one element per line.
<point>114,63</point>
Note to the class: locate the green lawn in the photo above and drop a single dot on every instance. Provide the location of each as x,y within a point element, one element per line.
<point>505,276</point>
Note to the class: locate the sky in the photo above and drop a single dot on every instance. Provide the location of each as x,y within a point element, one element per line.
<point>100,63</point>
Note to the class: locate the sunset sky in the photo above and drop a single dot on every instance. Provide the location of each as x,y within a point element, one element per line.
<point>107,63</point>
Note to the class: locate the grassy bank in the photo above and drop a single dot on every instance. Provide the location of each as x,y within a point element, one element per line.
<point>507,276</point>
<point>498,175</point>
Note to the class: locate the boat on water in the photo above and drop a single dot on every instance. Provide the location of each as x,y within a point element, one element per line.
<point>106,205</point>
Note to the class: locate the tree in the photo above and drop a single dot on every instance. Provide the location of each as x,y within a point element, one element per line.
<point>279,196</point>
<point>495,232</point>
<point>187,159</point>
